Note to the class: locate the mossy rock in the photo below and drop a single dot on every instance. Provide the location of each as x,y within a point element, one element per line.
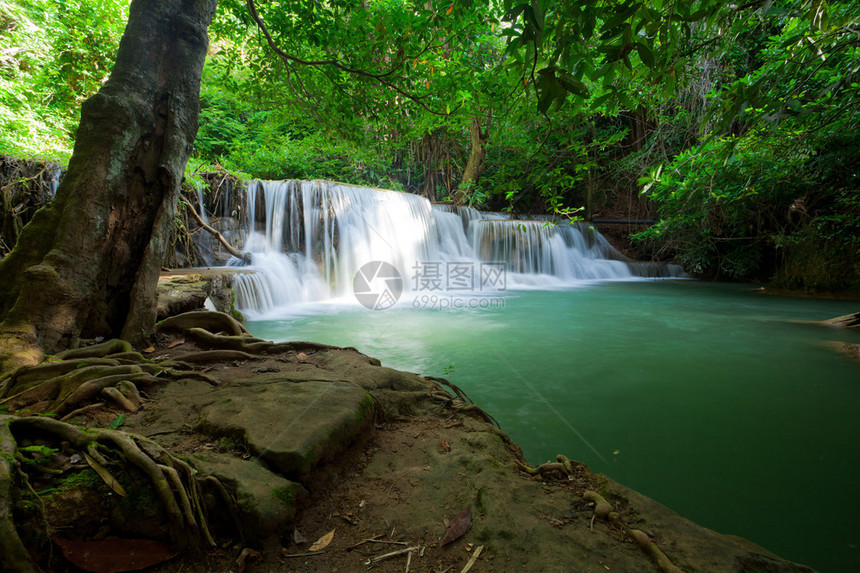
<point>267,502</point>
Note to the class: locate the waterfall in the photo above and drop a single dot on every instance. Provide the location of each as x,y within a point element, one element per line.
<point>308,240</point>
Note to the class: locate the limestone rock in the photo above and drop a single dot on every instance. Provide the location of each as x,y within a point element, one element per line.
<point>267,502</point>
<point>291,426</point>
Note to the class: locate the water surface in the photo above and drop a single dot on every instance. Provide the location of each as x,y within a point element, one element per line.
<point>704,397</point>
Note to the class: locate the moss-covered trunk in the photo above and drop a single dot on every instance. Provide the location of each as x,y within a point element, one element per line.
<point>88,264</point>
<point>475,164</point>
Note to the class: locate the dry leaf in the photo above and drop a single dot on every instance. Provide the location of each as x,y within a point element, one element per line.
<point>176,343</point>
<point>298,538</point>
<point>150,350</point>
<point>105,475</point>
<point>459,525</point>
<point>322,542</point>
<point>445,446</point>
<point>115,555</point>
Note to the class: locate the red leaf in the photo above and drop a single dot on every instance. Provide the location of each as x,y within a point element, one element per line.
<point>445,446</point>
<point>458,526</point>
<point>115,555</point>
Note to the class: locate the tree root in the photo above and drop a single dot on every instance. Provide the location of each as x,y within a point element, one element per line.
<point>194,375</point>
<point>459,406</point>
<point>13,555</point>
<point>211,321</point>
<point>460,394</point>
<point>243,343</point>
<point>119,399</point>
<point>173,480</point>
<point>654,552</point>
<point>114,346</point>
<point>563,467</point>
<point>216,356</point>
<point>603,509</point>
<point>76,376</point>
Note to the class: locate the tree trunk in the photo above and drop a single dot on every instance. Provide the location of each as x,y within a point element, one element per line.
<point>88,264</point>
<point>475,165</point>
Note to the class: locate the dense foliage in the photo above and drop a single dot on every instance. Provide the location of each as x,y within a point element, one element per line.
<point>53,54</point>
<point>735,125</point>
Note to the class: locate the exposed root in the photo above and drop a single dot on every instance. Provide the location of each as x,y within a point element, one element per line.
<point>13,555</point>
<point>75,377</point>
<point>130,392</point>
<point>212,321</point>
<point>603,509</point>
<point>114,346</point>
<point>459,406</point>
<point>175,487</point>
<point>654,552</point>
<point>244,343</point>
<point>544,469</point>
<point>83,410</point>
<point>460,394</point>
<point>117,398</point>
<point>217,356</point>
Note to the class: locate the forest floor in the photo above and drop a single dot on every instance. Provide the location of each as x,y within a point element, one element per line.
<point>395,477</point>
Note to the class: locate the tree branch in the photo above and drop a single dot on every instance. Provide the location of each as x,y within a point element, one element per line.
<point>230,248</point>
<point>335,63</point>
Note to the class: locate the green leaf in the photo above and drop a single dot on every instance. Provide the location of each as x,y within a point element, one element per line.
<point>645,54</point>
<point>120,420</point>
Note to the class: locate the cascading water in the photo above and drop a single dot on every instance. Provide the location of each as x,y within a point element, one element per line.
<point>309,238</point>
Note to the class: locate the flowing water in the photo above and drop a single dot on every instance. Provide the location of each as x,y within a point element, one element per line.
<point>310,238</point>
<point>705,397</point>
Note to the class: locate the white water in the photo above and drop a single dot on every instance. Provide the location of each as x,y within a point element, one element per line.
<point>309,238</point>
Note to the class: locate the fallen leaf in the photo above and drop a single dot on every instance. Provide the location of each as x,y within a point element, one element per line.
<point>459,525</point>
<point>322,542</point>
<point>469,546</point>
<point>150,350</point>
<point>105,475</point>
<point>115,555</point>
<point>298,538</point>
<point>176,343</point>
<point>445,446</point>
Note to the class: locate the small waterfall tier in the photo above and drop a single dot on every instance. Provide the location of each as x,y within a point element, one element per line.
<point>308,240</point>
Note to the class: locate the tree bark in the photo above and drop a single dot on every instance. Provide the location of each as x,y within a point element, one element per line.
<point>88,264</point>
<point>475,164</point>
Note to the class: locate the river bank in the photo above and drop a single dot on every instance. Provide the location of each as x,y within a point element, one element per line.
<point>314,439</point>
